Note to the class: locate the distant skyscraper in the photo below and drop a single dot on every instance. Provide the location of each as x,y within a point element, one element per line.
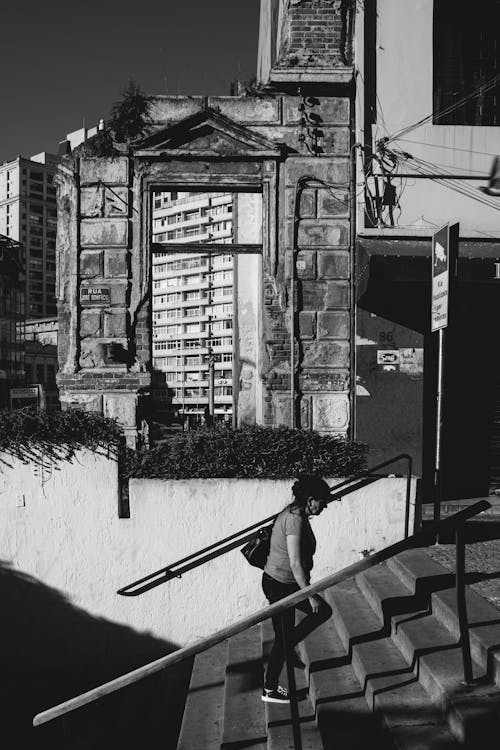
<point>11,317</point>
<point>28,214</point>
<point>193,301</point>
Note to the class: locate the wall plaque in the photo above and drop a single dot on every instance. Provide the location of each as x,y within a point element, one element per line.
<point>95,295</point>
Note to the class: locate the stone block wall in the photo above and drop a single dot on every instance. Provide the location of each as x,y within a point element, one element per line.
<point>100,373</point>
<point>104,259</point>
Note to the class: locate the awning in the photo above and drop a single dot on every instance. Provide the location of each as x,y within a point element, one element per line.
<point>393,274</point>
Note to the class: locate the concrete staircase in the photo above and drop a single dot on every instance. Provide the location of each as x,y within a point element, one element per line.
<point>385,672</point>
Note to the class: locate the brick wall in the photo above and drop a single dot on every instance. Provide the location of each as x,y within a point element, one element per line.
<point>315,33</point>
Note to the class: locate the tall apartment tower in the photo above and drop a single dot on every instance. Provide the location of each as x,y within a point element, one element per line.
<point>193,303</point>
<point>28,214</point>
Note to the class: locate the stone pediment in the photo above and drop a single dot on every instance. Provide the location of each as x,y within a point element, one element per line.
<point>208,133</point>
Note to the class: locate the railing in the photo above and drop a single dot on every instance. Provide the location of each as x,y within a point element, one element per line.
<point>176,569</point>
<point>453,522</point>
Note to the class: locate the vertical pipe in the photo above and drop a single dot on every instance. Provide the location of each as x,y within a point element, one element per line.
<point>292,688</point>
<point>438,488</point>
<point>461,603</point>
<point>408,496</point>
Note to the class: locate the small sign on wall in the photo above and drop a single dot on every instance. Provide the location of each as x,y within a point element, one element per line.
<point>95,295</point>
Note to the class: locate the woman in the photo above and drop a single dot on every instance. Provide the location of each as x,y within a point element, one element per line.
<point>287,570</point>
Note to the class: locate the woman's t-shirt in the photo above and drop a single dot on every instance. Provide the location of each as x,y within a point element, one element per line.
<point>278,563</point>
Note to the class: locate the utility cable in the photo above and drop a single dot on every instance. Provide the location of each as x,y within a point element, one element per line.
<point>482,89</point>
<point>447,148</point>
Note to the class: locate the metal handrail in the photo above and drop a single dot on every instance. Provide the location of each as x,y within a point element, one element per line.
<point>259,616</point>
<point>221,547</point>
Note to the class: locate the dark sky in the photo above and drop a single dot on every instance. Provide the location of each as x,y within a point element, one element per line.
<point>63,61</point>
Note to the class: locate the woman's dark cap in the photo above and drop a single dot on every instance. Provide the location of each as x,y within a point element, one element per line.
<point>311,486</point>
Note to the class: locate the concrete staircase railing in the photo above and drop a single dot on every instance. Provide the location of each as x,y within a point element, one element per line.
<point>385,672</point>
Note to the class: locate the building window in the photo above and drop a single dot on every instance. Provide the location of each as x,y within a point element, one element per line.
<point>466,57</point>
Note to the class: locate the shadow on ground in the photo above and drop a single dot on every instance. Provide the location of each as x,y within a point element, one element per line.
<point>51,651</point>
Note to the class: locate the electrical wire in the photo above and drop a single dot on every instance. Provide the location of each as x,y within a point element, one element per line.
<point>482,89</point>
<point>447,148</point>
<point>458,187</point>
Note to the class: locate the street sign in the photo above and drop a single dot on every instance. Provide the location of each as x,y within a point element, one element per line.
<point>444,254</point>
<point>95,295</point>
<point>440,278</point>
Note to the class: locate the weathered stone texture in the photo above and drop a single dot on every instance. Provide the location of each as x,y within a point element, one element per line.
<point>337,294</point>
<point>319,380</point>
<point>115,263</point>
<point>307,325</point>
<point>91,264</point>
<point>333,264</point>
<point>331,413</point>
<point>331,110</point>
<point>247,109</point>
<point>305,264</point>
<point>91,323</point>
<point>333,203</point>
<point>334,171</point>
<point>325,233</point>
<point>333,325</point>
<point>111,170</point>
<point>102,201</point>
<point>115,324</point>
<point>104,232</point>
<point>330,354</point>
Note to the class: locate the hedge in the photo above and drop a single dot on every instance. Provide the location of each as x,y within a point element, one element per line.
<point>47,437</point>
<point>248,452</point>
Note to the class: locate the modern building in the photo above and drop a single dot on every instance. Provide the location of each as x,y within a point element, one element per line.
<point>28,214</point>
<point>40,357</point>
<point>192,304</point>
<point>427,113</point>
<point>12,291</point>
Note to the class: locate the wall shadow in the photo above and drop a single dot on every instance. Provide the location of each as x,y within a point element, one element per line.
<point>51,651</point>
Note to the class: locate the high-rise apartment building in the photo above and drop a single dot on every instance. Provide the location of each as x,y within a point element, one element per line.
<point>193,302</point>
<point>28,214</point>
<point>11,317</point>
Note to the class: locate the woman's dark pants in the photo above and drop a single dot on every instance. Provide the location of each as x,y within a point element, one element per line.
<point>274,591</point>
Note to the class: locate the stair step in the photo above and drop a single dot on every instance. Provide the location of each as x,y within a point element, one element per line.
<point>202,720</point>
<point>419,571</point>
<point>342,713</point>
<point>279,726</point>
<point>244,714</point>
<point>391,687</point>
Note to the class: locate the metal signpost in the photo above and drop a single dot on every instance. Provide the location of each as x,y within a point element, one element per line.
<point>444,268</point>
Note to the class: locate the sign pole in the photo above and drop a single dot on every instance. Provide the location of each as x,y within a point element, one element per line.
<point>444,269</point>
<point>438,485</point>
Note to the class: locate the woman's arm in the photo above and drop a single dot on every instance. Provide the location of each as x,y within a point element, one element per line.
<point>293,547</point>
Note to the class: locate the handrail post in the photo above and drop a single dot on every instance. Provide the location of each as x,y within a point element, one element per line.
<point>462,604</point>
<point>292,687</point>
<point>408,496</point>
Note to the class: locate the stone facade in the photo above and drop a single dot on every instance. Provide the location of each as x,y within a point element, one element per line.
<point>295,150</point>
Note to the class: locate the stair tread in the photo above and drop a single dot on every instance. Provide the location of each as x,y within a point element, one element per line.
<point>244,714</point>
<point>387,677</point>
<point>417,568</point>
<point>201,723</point>
<point>342,713</point>
<point>279,728</point>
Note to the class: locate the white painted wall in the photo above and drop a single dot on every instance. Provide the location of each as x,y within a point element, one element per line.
<point>404,90</point>
<point>64,531</point>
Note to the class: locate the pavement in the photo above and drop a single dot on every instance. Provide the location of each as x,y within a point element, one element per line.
<point>482,553</point>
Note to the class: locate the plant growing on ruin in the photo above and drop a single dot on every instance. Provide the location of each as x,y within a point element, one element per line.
<point>248,452</point>
<point>130,116</point>
<point>48,437</point>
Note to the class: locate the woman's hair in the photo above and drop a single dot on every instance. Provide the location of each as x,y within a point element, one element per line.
<point>307,486</point>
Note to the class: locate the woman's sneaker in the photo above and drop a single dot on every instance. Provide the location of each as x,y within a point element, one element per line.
<point>277,695</point>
